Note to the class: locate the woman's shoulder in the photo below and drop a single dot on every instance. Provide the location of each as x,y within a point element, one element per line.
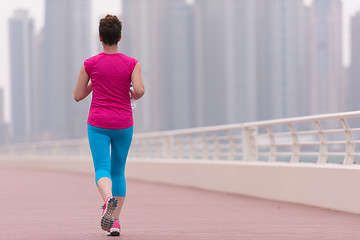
<point>130,61</point>
<point>91,62</point>
<point>94,58</point>
<point>126,57</point>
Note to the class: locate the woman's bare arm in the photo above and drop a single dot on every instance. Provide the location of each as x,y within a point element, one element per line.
<point>137,82</point>
<point>83,87</point>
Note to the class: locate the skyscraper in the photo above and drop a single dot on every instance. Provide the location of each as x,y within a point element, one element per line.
<point>281,60</point>
<point>253,59</point>
<point>177,85</point>
<point>21,59</point>
<point>38,89</point>
<point>159,34</point>
<point>325,57</point>
<point>67,44</point>
<point>352,94</point>
<point>211,53</point>
<point>226,61</point>
<point>240,60</point>
<point>248,60</point>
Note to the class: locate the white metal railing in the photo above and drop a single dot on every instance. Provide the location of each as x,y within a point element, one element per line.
<point>333,138</point>
<point>63,149</point>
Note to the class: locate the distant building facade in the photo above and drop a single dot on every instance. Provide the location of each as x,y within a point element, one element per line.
<point>39,116</point>
<point>246,60</point>
<point>353,73</point>
<point>281,59</point>
<point>325,57</point>
<point>178,87</point>
<point>211,54</point>
<point>241,70</point>
<point>21,32</point>
<point>67,41</point>
<point>155,32</point>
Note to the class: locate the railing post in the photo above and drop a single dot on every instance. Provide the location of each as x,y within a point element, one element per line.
<point>180,153</point>
<point>295,157</point>
<point>232,148</point>
<point>205,146</point>
<point>83,149</point>
<point>272,152</point>
<point>192,147</point>
<point>171,147</point>
<point>349,154</point>
<point>323,149</point>
<point>157,147</point>
<point>250,149</point>
<point>216,145</point>
<point>153,146</point>
<point>140,147</point>
<point>165,146</point>
<point>32,151</point>
<point>144,152</point>
<point>136,148</point>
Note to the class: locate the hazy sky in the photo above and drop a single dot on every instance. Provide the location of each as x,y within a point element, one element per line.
<point>101,7</point>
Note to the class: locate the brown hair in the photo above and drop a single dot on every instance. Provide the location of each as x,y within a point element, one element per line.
<point>110,29</point>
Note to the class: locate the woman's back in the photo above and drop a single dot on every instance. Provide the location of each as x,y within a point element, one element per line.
<point>111,78</point>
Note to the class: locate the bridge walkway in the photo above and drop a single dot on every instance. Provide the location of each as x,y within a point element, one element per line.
<point>39,204</point>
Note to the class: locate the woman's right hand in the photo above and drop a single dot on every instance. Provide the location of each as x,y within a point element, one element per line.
<point>132,92</point>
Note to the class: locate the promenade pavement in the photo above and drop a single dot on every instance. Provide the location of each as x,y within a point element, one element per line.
<point>39,204</point>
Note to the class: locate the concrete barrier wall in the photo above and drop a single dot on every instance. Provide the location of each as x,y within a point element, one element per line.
<point>326,186</point>
<point>71,164</point>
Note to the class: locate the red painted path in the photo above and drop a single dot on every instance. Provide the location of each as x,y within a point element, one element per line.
<point>35,204</point>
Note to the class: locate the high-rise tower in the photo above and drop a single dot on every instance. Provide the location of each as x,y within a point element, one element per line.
<point>67,42</point>
<point>353,103</point>
<point>21,32</point>
<point>325,57</point>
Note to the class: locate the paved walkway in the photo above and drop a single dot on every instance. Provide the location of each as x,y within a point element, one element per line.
<point>37,204</point>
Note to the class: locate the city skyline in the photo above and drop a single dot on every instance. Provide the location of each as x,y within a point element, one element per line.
<point>36,10</point>
<point>263,63</point>
<point>273,60</point>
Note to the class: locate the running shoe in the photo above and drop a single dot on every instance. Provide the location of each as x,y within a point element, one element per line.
<point>115,229</point>
<point>108,209</point>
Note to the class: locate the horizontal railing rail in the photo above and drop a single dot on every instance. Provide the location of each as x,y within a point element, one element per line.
<point>327,138</point>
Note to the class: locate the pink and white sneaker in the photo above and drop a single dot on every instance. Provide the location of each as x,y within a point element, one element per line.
<point>108,209</point>
<point>115,229</point>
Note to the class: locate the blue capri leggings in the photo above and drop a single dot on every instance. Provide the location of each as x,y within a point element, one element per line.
<point>106,164</point>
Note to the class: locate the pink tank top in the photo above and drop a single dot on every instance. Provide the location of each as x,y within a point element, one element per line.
<point>111,77</point>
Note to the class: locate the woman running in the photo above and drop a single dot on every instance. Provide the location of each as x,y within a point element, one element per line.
<point>110,121</point>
